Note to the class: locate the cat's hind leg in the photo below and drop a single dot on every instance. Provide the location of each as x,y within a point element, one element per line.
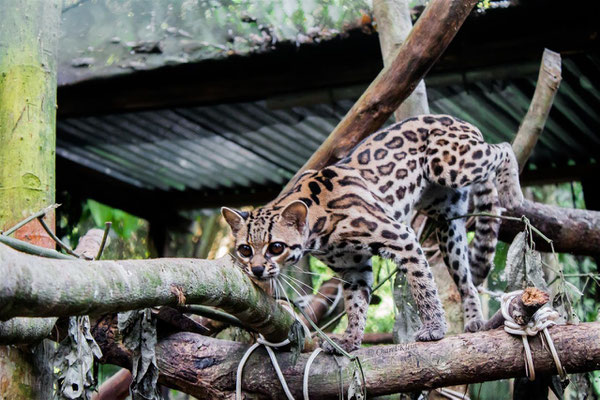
<point>445,204</point>
<point>404,249</point>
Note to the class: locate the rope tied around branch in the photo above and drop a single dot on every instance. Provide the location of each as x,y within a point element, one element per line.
<point>356,388</point>
<point>269,346</point>
<point>540,321</point>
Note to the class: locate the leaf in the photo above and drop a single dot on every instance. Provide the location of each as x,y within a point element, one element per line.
<point>514,272</point>
<point>407,321</point>
<point>296,337</point>
<point>139,335</point>
<point>123,224</point>
<point>533,270</point>
<point>74,359</point>
<point>573,290</point>
<point>355,389</point>
<point>563,304</point>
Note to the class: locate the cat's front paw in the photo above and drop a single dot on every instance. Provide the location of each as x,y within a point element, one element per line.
<point>346,343</point>
<point>474,325</point>
<point>431,331</point>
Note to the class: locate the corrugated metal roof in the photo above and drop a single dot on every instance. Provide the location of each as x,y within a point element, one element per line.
<point>247,144</point>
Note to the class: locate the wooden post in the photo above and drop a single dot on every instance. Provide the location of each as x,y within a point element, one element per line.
<point>28,43</point>
<point>393,26</point>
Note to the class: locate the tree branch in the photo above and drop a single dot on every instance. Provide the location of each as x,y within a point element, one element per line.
<point>428,39</point>
<point>33,330</point>
<point>571,230</point>
<point>30,288</point>
<point>205,367</point>
<point>532,125</point>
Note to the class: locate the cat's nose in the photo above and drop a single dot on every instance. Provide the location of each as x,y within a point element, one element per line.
<point>258,271</point>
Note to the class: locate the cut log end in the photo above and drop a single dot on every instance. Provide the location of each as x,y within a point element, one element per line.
<point>534,297</point>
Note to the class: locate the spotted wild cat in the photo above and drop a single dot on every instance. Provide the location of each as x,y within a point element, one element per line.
<point>348,212</point>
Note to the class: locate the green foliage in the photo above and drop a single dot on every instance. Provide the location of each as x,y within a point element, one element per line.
<point>129,234</point>
<point>321,273</point>
<point>380,317</point>
<point>123,224</point>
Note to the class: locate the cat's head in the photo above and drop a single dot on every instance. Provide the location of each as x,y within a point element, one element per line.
<point>268,239</point>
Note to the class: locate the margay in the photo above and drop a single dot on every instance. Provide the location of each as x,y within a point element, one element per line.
<point>348,212</point>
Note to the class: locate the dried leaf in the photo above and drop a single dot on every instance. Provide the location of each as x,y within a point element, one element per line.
<point>564,305</point>
<point>407,321</point>
<point>356,390</point>
<point>139,335</point>
<point>74,360</point>
<point>296,337</point>
<point>534,272</point>
<point>573,290</point>
<point>514,271</point>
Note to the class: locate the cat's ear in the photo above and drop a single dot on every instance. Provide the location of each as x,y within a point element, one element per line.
<point>295,214</point>
<point>234,218</point>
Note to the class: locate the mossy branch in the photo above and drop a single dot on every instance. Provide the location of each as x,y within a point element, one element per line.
<point>40,287</point>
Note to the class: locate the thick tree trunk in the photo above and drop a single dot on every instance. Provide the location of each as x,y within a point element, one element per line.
<point>430,36</point>
<point>28,43</point>
<point>206,367</point>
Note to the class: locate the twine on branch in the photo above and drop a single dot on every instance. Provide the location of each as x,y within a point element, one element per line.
<point>540,321</point>
<point>269,346</point>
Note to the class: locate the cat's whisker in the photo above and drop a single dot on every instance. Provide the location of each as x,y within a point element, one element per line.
<point>304,293</point>
<point>284,293</point>
<point>308,306</point>
<point>315,274</point>
<point>319,292</point>
<point>276,289</point>
<point>308,295</point>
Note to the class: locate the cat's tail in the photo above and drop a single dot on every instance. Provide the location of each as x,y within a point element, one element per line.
<point>481,254</point>
<point>507,178</point>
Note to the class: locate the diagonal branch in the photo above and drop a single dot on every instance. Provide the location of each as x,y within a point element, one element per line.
<point>432,33</point>
<point>532,125</point>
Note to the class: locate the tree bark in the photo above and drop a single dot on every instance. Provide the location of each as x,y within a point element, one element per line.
<point>205,367</point>
<point>28,44</point>
<point>393,27</point>
<point>571,230</point>
<point>20,330</point>
<point>430,36</point>
<point>532,125</point>
<point>31,288</point>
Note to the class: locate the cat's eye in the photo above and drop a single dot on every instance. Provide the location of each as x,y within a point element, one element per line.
<point>244,250</point>
<point>276,248</point>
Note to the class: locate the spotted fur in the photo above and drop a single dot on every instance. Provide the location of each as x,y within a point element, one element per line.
<point>348,212</point>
